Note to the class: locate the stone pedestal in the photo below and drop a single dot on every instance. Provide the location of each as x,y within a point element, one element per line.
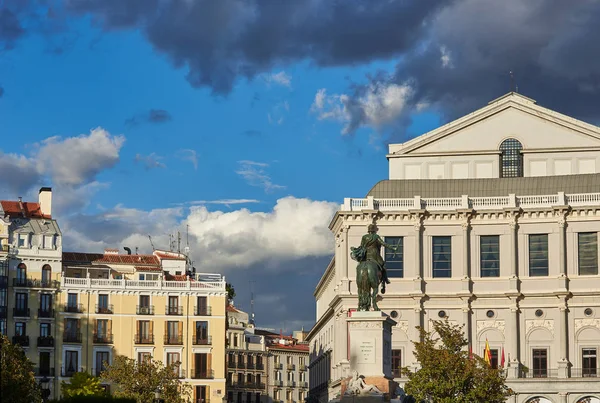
<point>563,369</point>
<point>370,336</point>
<point>512,370</point>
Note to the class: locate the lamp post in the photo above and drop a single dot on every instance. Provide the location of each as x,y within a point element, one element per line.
<point>45,385</point>
<point>157,394</point>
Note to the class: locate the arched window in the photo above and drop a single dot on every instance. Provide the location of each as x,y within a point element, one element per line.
<point>46,275</point>
<point>511,160</point>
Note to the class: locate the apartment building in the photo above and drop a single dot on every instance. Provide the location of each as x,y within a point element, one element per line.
<point>142,306</point>
<point>496,219</point>
<point>287,368</point>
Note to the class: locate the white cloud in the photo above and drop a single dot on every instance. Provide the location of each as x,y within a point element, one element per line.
<point>278,112</point>
<point>76,160</point>
<point>378,104</point>
<point>281,78</point>
<point>255,174</point>
<point>446,57</point>
<point>150,161</point>
<point>224,202</point>
<point>189,155</point>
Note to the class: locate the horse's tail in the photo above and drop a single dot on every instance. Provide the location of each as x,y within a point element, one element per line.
<point>362,283</point>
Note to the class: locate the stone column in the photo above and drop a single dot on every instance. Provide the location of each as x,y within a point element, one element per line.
<point>562,397</point>
<point>513,344</point>
<point>418,278</point>
<point>563,331</point>
<point>467,321</point>
<point>465,277</point>
<point>415,334</point>
<point>514,267</point>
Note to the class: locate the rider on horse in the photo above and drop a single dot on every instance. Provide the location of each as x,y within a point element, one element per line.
<point>371,243</point>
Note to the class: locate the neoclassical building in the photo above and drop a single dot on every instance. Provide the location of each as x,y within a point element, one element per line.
<point>496,216</point>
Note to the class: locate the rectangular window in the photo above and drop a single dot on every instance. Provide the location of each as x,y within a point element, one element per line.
<point>538,255</point>
<point>202,330</point>
<point>394,260</point>
<point>48,242</point>
<point>45,330</point>
<point>23,240</point>
<point>494,360</point>
<point>588,253</point>
<point>144,301</point>
<point>489,254</point>
<point>101,361</point>
<point>102,329</point>
<point>103,302</point>
<point>20,329</point>
<point>144,357</point>
<point>202,307</point>
<point>45,363</point>
<point>397,363</point>
<point>71,362</point>
<point>540,363</point>
<point>442,256</point>
<point>21,301</point>
<point>72,301</point>
<point>589,362</point>
<point>174,360</point>
<point>45,302</point>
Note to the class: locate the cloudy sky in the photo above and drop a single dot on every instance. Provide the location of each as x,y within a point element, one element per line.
<point>249,121</point>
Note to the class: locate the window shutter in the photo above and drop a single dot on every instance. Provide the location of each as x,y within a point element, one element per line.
<point>151,328</point>
<point>208,364</point>
<point>109,327</point>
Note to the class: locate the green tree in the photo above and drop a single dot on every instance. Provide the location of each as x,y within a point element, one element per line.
<point>141,380</point>
<point>17,382</point>
<point>230,291</point>
<point>448,374</point>
<point>82,384</point>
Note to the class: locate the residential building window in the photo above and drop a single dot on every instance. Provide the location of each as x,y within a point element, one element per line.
<point>394,260</point>
<point>21,301</point>
<point>103,303</point>
<point>45,330</point>
<point>200,392</point>
<point>173,308</point>
<point>540,363</point>
<point>257,397</point>
<point>174,332</point>
<point>145,334</point>
<point>21,273</point>
<point>239,397</point>
<point>397,363</point>
<point>240,378</point>
<point>276,394</point>
<point>144,357</point>
<point>301,361</point>
<point>235,340</point>
<point>175,360</point>
<point>46,303</point>
<point>72,301</point>
<point>46,275</point>
<point>48,242</point>
<point>589,362</point>
<point>588,253</point>
<point>103,331</point>
<point>71,362</point>
<point>288,395</point>
<point>20,329</point>
<point>301,396</point>
<point>511,158</point>
<point>442,256</point>
<point>278,375</point>
<point>538,255</point>
<point>201,331</point>
<point>201,365</point>
<point>290,376</point>
<point>72,329</point>
<point>23,240</point>
<point>202,306</point>
<point>489,252</point>
<point>45,363</point>
<point>102,361</point>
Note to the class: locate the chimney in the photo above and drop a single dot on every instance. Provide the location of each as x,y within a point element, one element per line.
<point>45,200</point>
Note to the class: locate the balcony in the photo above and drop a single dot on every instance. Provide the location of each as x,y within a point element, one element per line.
<point>44,371</point>
<point>104,309</point>
<point>259,366</point>
<point>278,383</point>
<point>103,338</point>
<point>45,341</point>
<point>278,365</point>
<point>539,373</point>
<point>69,372</point>
<point>202,374</point>
<point>204,282</point>
<point>303,384</point>
<point>46,313</point>
<point>291,367</point>
<point>21,312</point>
<point>202,341</point>
<point>72,337</point>
<point>35,283</point>
<point>302,367</point>
<point>202,310</point>
<point>173,339</point>
<point>4,248</point>
<point>231,364</point>
<point>291,384</point>
<point>73,308</point>
<point>241,364</point>
<point>250,365</point>
<point>145,310</point>
<point>144,339</point>
<point>174,310</point>
<point>23,341</point>
<point>584,373</point>
<point>255,385</point>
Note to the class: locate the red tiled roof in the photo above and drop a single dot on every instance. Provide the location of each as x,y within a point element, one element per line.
<point>136,260</point>
<point>30,209</point>
<point>231,308</point>
<point>147,268</point>
<point>79,257</point>
<point>296,347</point>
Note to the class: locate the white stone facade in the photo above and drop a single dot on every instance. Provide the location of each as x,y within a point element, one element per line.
<point>522,259</point>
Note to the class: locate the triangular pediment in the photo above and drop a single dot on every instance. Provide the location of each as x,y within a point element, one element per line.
<point>511,116</point>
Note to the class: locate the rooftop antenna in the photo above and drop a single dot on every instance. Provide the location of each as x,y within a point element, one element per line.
<point>151,244</point>
<point>512,81</point>
<point>178,242</point>
<point>251,301</point>
<point>187,234</point>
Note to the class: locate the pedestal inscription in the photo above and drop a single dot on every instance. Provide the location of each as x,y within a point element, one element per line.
<point>367,351</point>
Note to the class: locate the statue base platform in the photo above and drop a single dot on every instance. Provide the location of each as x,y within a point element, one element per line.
<point>385,385</point>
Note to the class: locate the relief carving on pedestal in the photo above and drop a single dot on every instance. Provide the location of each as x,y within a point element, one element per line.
<point>490,324</point>
<point>579,323</point>
<point>366,325</point>
<point>545,323</point>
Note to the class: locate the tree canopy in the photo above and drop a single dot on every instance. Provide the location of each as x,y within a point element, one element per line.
<point>448,374</point>
<point>17,381</point>
<point>230,291</point>
<point>82,384</point>
<point>141,380</point>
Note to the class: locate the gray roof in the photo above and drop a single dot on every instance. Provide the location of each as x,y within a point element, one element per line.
<point>526,186</point>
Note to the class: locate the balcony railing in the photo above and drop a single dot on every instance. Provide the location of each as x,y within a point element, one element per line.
<point>172,339</point>
<point>144,339</point>
<point>104,309</point>
<point>174,310</point>
<point>278,365</point>
<point>204,282</point>
<point>45,341</point>
<point>277,383</point>
<point>145,310</point>
<point>241,364</point>
<point>35,283</point>
<point>291,367</point>
<point>202,341</point>
<point>74,308</point>
<point>69,372</point>
<point>584,373</point>
<point>98,371</point>
<point>44,371</point>
<point>539,373</point>
<point>202,310</point>
<point>21,340</point>
<point>103,338</point>
<point>46,313</point>
<point>259,365</point>
<point>72,337</point>
<point>255,385</point>
<point>202,374</point>
<point>250,365</point>
<point>21,312</point>
<point>302,367</point>
<point>231,364</point>
<point>291,384</point>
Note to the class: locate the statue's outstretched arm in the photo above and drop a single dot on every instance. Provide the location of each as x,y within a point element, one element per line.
<point>387,245</point>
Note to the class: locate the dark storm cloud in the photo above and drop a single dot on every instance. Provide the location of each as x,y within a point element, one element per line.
<point>10,26</point>
<point>220,41</point>
<point>151,116</point>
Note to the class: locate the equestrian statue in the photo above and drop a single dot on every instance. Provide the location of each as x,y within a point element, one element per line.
<point>370,271</point>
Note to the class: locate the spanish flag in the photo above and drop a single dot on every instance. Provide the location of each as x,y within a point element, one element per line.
<point>487,354</point>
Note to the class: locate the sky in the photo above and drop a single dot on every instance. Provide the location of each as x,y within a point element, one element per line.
<point>242,124</point>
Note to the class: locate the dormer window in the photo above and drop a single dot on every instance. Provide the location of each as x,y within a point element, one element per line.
<point>23,240</point>
<point>511,159</point>
<point>48,242</point>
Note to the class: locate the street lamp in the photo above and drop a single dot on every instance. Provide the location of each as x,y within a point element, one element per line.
<point>45,384</point>
<point>157,394</point>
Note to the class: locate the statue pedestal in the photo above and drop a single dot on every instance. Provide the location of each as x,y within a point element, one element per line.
<point>370,335</point>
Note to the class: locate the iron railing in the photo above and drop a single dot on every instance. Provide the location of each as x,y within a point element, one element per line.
<point>104,309</point>
<point>145,310</point>
<point>103,338</point>
<point>21,340</point>
<point>202,341</point>
<point>144,339</point>
<point>71,337</point>
<point>172,339</point>
<point>45,341</point>
<point>21,312</point>
<point>202,374</point>
<point>45,313</point>
<point>174,310</point>
<point>202,310</point>
<point>74,308</point>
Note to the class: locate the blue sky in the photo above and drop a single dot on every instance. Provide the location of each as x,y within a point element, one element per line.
<point>249,122</point>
